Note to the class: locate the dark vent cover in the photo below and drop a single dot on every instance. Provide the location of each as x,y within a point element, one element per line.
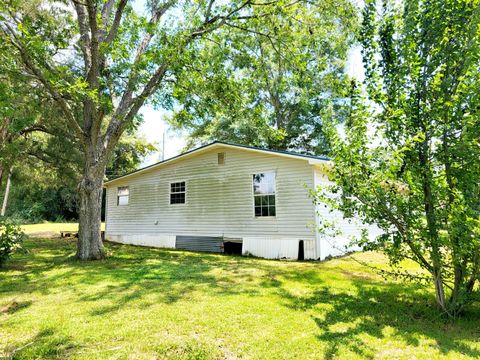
<point>221,158</point>
<point>199,243</point>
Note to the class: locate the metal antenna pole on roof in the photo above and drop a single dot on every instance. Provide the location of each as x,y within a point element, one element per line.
<point>163,146</point>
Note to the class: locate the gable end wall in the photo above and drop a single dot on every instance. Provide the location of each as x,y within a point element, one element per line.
<point>219,203</point>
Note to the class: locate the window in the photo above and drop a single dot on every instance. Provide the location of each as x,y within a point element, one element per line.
<point>264,194</point>
<point>122,195</point>
<point>177,193</point>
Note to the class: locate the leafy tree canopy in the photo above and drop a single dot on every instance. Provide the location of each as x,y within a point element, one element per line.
<point>40,152</point>
<point>412,164</point>
<point>271,85</point>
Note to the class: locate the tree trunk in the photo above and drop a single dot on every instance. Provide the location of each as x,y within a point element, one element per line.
<point>1,176</point>
<point>440,292</point>
<point>89,245</point>
<point>5,196</point>
<point>432,222</point>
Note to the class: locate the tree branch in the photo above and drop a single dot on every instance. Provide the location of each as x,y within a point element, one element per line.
<point>257,33</point>
<point>91,120</point>
<point>204,28</point>
<point>129,105</point>
<point>209,10</point>
<point>127,100</point>
<point>116,22</point>
<point>84,34</point>
<point>28,62</point>
<point>33,128</point>
<point>106,11</point>
<point>157,14</point>
<point>130,108</point>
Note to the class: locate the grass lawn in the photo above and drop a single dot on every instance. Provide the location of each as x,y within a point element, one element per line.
<point>48,228</point>
<point>145,303</point>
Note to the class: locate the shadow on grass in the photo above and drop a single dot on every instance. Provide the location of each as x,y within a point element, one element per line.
<point>158,275</point>
<point>136,276</point>
<point>46,344</point>
<point>373,309</point>
<point>15,306</point>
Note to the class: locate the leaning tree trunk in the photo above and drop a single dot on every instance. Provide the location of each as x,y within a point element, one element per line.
<point>89,245</point>
<point>5,195</point>
<point>1,175</point>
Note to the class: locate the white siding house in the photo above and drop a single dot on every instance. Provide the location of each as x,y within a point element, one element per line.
<point>217,194</point>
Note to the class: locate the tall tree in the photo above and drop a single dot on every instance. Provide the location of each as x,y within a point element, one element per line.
<point>100,62</point>
<point>271,85</point>
<point>38,150</point>
<point>412,166</point>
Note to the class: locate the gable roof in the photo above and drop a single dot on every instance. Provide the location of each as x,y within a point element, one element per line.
<point>312,159</point>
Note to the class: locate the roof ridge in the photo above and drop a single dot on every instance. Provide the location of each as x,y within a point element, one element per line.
<point>319,157</point>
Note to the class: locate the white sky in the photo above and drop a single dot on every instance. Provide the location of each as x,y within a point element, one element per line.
<point>153,128</point>
<point>154,124</point>
<point>354,66</point>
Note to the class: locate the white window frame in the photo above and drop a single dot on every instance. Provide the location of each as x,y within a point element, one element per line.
<point>123,196</point>
<point>271,217</point>
<point>170,192</point>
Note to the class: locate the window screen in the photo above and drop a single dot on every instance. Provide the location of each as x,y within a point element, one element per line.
<point>123,194</point>
<point>177,193</point>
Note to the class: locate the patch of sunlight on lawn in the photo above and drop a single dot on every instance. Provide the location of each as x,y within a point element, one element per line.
<point>143,303</point>
<point>53,228</point>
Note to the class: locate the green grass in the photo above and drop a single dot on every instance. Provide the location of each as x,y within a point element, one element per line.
<point>144,303</point>
<point>49,228</point>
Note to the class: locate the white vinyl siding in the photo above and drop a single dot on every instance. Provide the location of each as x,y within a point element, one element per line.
<point>350,228</point>
<point>220,201</point>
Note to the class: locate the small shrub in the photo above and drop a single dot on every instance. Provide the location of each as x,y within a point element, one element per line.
<point>11,238</point>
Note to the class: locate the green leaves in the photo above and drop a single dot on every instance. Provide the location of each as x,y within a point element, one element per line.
<point>412,166</point>
<point>11,238</point>
<point>273,81</point>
